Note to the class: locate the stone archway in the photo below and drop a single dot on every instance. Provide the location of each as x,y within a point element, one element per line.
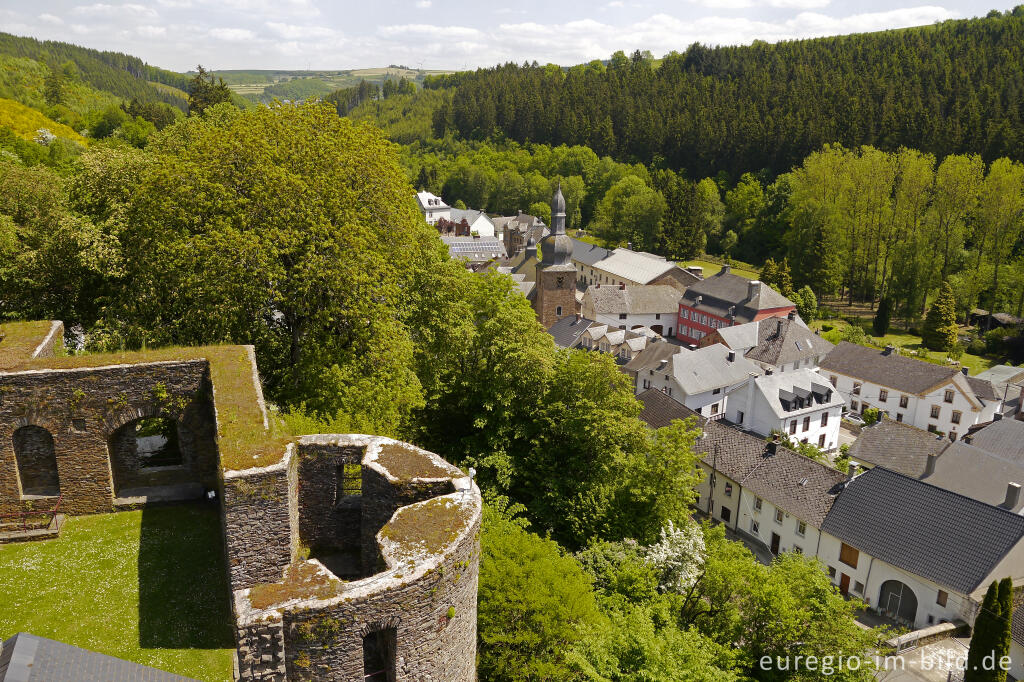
<point>898,601</point>
<point>36,460</point>
<point>142,448</point>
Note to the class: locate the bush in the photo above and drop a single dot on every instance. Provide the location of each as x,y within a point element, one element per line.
<point>871,415</point>
<point>995,340</point>
<point>977,347</point>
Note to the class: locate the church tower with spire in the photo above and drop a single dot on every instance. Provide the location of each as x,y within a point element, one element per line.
<point>556,275</point>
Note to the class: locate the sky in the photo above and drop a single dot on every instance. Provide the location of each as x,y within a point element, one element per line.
<point>445,34</point>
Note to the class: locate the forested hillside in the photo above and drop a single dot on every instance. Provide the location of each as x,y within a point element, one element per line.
<point>113,72</point>
<point>955,87</point>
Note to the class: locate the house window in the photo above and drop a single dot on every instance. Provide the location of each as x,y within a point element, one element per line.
<point>792,426</point>
<point>899,416</point>
<point>558,310</point>
<point>824,418</point>
<point>757,504</point>
<point>728,489</point>
<point>935,411</point>
<point>848,555</point>
<point>853,405</point>
<point>941,597</point>
<point>832,572</point>
<point>801,528</point>
<point>948,397</point>
<point>833,380</point>
<point>657,316</point>
<point>807,423</point>
<point>904,401</point>
<point>931,428</point>
<point>956,417</point>
<point>858,587</point>
<point>821,441</point>
<point>726,514</point>
<point>716,391</point>
<point>952,436</point>
<point>754,528</point>
<point>622,316</point>
<point>739,417</point>
<point>684,314</point>
<point>856,388</point>
<point>714,408</point>
<point>883,395</point>
<point>778,516</point>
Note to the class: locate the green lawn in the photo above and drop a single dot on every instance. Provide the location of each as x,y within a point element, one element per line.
<point>975,364</point>
<point>147,586</point>
<point>711,269</point>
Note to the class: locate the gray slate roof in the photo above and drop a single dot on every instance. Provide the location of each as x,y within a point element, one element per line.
<point>636,300</point>
<point>588,254</point>
<point>781,341</point>
<point>1017,626</point>
<point>28,658</point>
<point>708,368</point>
<point>650,357</point>
<point>939,535</point>
<point>474,248</point>
<point>886,369</point>
<point>897,446</point>
<point>1000,375</point>
<point>724,290</point>
<point>971,471</point>
<point>636,266</point>
<point>660,410</point>
<point>773,387</point>
<point>568,331</point>
<point>799,485</point>
<point>1004,438</point>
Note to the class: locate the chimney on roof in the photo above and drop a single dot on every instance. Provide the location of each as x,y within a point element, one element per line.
<point>778,327</point>
<point>701,298</point>
<point>929,466</point>
<point>1012,495</point>
<point>731,356</point>
<point>889,350</point>
<point>578,316</point>
<point>967,439</point>
<point>964,370</point>
<point>753,289</point>
<point>726,269</point>
<point>851,472</point>
<point>773,445</point>
<point>767,371</point>
<point>792,314</point>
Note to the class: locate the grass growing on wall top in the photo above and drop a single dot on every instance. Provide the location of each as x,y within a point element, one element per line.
<point>18,340</point>
<point>147,586</point>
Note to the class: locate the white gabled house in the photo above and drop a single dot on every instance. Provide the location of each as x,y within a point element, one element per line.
<point>700,379</point>
<point>652,306</point>
<point>933,397</point>
<point>800,403</point>
<point>432,207</point>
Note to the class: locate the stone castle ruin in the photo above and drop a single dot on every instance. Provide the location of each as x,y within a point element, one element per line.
<point>350,557</point>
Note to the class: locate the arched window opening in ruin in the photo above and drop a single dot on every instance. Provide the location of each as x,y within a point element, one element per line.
<point>37,461</point>
<point>379,649</point>
<point>156,442</point>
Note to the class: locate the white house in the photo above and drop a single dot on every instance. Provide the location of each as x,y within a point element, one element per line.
<point>700,379</point>
<point>653,306</point>
<point>800,403</point>
<point>932,397</point>
<point>433,207</point>
<point>479,224</point>
<point>624,344</point>
<point>596,265</point>
<point>913,551</point>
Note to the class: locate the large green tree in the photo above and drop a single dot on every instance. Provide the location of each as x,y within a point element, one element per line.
<point>206,91</point>
<point>940,327</point>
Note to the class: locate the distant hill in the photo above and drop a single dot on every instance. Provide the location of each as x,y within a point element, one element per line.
<point>952,87</point>
<point>115,73</point>
<point>265,85</point>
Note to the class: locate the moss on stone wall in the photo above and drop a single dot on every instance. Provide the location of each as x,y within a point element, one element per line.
<point>406,463</point>
<point>425,528</point>
<point>19,339</point>
<point>304,580</point>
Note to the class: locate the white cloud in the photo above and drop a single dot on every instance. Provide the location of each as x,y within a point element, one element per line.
<point>102,9</point>
<point>151,31</point>
<point>295,32</point>
<point>51,19</point>
<point>616,3</point>
<point>429,31</point>
<point>423,4</point>
<point>232,35</point>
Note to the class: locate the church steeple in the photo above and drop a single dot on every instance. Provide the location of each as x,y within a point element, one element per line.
<point>556,248</point>
<point>558,212</point>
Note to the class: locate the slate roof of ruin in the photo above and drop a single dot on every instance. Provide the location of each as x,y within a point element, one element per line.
<point>635,300</point>
<point>800,486</point>
<point>886,369</point>
<point>29,658</point>
<point>897,446</point>
<point>660,410</point>
<point>781,341</point>
<point>568,331</point>
<point>936,534</point>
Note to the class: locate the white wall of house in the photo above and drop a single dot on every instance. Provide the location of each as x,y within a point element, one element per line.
<point>914,410</point>
<point>794,534</point>
<point>817,424</point>
<point>482,226</point>
<point>666,321</point>
<point>867,578</point>
<point>712,404</point>
<point>720,499</point>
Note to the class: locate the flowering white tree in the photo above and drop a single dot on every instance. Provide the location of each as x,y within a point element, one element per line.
<point>45,137</point>
<point>678,556</point>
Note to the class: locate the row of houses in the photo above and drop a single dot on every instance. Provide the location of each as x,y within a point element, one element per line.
<point>915,551</point>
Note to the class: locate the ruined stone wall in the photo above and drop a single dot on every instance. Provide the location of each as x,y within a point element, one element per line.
<point>323,523</point>
<point>259,521</point>
<point>430,645</point>
<point>36,460</point>
<point>83,408</point>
